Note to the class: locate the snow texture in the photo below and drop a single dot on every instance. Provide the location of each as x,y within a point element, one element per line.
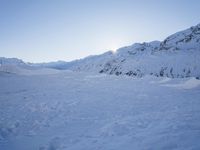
<point>81,111</point>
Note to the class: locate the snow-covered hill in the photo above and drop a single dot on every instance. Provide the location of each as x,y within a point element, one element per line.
<point>11,65</point>
<point>177,56</point>
<point>11,61</point>
<point>17,66</point>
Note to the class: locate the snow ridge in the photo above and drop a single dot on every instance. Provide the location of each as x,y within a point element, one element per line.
<point>175,57</point>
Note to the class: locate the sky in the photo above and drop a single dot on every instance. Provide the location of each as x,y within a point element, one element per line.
<point>51,30</point>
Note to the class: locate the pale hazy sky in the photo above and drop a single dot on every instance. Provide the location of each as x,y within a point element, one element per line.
<point>50,30</point>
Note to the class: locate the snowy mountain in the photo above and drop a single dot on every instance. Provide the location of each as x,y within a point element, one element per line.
<point>188,39</point>
<point>17,66</point>
<point>11,65</point>
<point>11,61</point>
<point>177,56</point>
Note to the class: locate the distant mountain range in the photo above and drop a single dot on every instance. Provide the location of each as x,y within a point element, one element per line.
<point>177,56</point>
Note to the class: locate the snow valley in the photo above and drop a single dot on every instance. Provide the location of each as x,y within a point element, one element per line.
<point>144,96</point>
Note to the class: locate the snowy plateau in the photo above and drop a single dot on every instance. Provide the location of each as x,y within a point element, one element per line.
<point>141,97</point>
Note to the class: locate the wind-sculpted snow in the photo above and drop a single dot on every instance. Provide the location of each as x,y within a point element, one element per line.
<point>81,111</point>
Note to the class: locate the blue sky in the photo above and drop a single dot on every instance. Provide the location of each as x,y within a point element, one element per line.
<point>51,30</point>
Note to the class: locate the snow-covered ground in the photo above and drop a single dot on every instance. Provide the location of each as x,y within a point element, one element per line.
<point>80,111</point>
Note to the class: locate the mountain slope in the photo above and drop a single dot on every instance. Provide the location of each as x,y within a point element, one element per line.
<point>17,66</point>
<point>11,61</point>
<point>177,56</point>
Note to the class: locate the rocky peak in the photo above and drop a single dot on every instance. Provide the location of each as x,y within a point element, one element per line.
<point>188,39</point>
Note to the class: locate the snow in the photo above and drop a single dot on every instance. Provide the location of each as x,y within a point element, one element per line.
<point>88,111</point>
<point>165,80</point>
<point>149,101</point>
<point>175,57</point>
<point>188,84</point>
<point>27,71</point>
<point>11,61</point>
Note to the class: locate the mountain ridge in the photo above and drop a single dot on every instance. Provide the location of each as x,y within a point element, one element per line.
<point>176,56</point>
